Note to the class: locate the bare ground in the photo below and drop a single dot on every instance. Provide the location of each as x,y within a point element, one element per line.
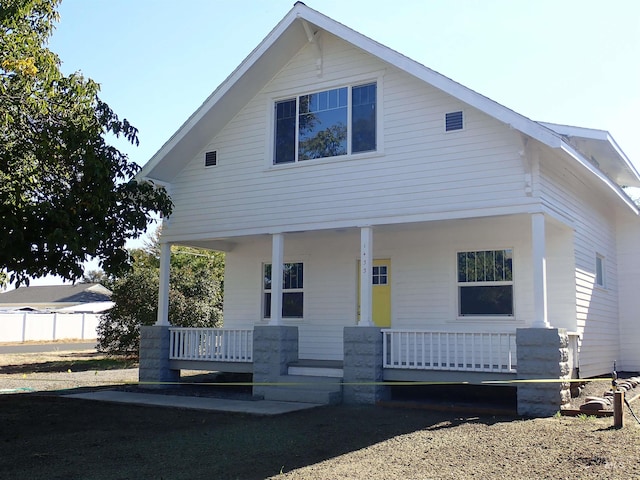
<point>52,437</point>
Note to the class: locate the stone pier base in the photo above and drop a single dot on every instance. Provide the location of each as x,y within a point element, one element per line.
<point>154,371</point>
<point>274,347</point>
<point>363,366</point>
<point>543,353</point>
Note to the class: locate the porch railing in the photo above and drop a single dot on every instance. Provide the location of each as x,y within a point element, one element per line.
<point>459,351</point>
<point>211,344</point>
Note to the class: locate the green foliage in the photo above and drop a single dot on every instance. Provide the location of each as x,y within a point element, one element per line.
<point>65,193</point>
<point>195,296</point>
<point>98,276</point>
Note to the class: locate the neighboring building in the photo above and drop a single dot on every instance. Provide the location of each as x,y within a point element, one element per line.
<point>57,312</point>
<point>494,246</point>
<point>78,297</point>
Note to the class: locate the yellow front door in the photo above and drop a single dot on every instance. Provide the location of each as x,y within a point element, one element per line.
<point>381,302</point>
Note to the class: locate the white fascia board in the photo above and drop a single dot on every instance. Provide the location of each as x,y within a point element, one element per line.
<point>572,131</point>
<point>601,176</point>
<point>447,85</point>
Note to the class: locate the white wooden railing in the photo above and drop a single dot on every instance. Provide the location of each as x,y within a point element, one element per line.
<point>460,351</point>
<point>211,344</point>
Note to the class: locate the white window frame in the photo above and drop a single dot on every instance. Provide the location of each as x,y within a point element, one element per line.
<point>376,274</point>
<point>275,96</point>
<point>495,283</point>
<point>600,271</point>
<point>263,314</point>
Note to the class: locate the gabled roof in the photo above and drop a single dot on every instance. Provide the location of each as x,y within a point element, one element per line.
<point>298,28</point>
<point>56,294</point>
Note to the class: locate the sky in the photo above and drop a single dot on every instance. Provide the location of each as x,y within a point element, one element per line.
<point>574,62</point>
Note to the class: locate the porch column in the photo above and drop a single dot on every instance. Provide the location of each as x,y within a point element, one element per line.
<point>277,262</point>
<point>366,264</point>
<point>155,340</point>
<point>539,262</point>
<point>163,292</point>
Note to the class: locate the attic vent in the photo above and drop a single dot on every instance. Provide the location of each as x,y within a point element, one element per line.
<point>453,121</point>
<point>210,159</point>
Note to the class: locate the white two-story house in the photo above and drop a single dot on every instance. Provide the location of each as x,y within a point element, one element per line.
<point>398,202</point>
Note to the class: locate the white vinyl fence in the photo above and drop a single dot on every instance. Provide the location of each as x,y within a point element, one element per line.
<point>31,326</point>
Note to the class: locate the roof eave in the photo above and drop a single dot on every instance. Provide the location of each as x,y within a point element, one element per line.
<point>615,188</point>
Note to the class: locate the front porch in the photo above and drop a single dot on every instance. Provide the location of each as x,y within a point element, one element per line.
<point>373,360</point>
<point>454,293</point>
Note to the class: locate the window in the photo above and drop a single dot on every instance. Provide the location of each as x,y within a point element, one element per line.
<point>317,125</point>
<point>453,121</point>
<point>379,275</point>
<point>292,290</point>
<point>600,280</point>
<point>485,283</point>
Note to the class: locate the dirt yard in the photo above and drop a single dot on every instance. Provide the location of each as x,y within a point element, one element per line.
<point>48,436</point>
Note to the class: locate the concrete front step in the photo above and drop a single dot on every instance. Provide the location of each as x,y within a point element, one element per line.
<point>299,388</point>
<point>317,368</point>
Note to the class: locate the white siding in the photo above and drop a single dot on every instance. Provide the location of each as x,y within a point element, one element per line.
<point>423,278</point>
<point>419,169</point>
<point>629,279</point>
<point>577,197</point>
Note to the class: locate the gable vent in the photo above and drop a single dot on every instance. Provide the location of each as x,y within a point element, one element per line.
<point>211,159</point>
<point>453,121</point>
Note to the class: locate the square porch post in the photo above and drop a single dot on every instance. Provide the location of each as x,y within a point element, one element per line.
<point>155,340</point>
<point>163,290</point>
<point>277,263</point>
<point>366,289</point>
<point>539,262</point>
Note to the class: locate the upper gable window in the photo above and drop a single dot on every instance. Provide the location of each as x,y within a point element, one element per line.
<point>453,121</point>
<point>331,123</point>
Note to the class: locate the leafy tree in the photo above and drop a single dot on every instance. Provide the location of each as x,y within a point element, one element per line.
<point>195,295</point>
<point>66,194</point>
<point>98,276</point>
<point>329,142</point>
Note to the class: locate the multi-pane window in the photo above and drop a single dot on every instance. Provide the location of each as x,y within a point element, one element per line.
<point>325,124</point>
<point>600,280</point>
<point>485,283</point>
<point>380,275</point>
<point>292,290</point>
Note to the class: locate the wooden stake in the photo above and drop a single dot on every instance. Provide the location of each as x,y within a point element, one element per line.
<point>618,404</point>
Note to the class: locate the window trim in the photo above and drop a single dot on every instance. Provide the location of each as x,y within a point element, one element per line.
<point>263,316</point>
<point>497,283</point>
<point>281,95</point>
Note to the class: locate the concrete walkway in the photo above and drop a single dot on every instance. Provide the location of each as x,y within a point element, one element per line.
<point>257,407</point>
